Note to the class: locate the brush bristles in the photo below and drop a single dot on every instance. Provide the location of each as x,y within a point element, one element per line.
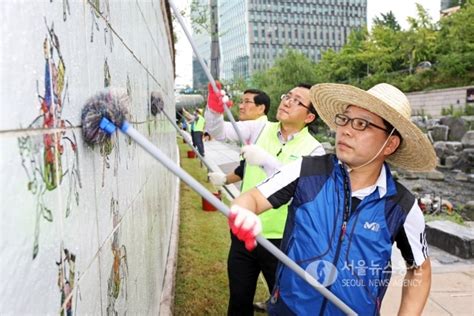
<point>157,103</point>
<point>110,103</point>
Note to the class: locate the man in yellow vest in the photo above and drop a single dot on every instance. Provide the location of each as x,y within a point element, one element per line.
<point>254,105</point>
<point>273,144</point>
<point>196,123</point>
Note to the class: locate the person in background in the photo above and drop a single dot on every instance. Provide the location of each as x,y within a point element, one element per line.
<point>272,144</point>
<point>197,123</point>
<point>346,209</point>
<point>207,137</point>
<point>254,105</point>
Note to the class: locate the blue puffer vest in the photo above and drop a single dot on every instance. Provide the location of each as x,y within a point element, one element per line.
<point>318,238</point>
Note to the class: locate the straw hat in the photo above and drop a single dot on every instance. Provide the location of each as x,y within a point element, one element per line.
<point>415,152</point>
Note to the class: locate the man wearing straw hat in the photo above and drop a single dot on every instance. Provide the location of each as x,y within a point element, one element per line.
<point>346,210</point>
<point>272,144</point>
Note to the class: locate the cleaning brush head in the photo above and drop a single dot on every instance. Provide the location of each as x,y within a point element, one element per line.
<point>111,104</point>
<point>157,103</point>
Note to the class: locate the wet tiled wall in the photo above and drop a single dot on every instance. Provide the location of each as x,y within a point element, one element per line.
<point>83,230</point>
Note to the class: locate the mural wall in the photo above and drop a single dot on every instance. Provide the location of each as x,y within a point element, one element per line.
<point>83,230</point>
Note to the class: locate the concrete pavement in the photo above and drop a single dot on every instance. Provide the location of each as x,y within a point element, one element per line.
<point>452,284</point>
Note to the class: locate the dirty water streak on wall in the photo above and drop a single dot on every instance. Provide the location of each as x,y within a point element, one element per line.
<point>83,228</point>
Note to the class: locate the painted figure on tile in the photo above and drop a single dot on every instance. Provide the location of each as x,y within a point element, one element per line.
<point>117,283</point>
<point>43,158</point>
<point>66,274</point>
<point>100,10</point>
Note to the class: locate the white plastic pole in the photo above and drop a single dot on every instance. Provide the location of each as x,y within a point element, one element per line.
<point>224,209</point>
<point>205,68</point>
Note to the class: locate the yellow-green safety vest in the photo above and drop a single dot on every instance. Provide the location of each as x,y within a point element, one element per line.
<point>199,124</point>
<point>302,144</point>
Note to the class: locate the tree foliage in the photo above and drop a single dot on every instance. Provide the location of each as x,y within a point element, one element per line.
<point>455,46</point>
<point>288,71</point>
<point>426,55</point>
<point>200,17</point>
<point>387,20</point>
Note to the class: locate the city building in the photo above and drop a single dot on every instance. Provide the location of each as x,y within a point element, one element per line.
<point>449,7</point>
<point>254,33</point>
<point>204,17</point>
<point>446,4</point>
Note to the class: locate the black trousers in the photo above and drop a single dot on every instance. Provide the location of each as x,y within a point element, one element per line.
<point>198,142</point>
<point>243,268</point>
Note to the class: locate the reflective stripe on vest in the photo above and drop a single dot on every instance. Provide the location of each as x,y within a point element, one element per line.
<point>273,221</point>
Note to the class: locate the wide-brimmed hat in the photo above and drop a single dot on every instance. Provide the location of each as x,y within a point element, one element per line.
<point>415,152</point>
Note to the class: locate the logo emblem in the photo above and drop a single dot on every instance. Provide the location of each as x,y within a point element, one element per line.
<point>375,227</point>
<point>323,271</point>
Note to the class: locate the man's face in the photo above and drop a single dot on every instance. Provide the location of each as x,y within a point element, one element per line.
<point>248,110</point>
<point>293,110</point>
<point>355,147</point>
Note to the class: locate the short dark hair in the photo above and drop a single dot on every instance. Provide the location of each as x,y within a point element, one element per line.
<point>311,106</point>
<point>389,128</point>
<point>260,98</point>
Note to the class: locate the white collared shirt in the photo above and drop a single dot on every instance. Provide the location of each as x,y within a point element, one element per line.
<point>381,183</point>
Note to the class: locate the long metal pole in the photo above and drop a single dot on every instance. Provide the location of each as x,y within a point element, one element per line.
<point>185,137</point>
<point>224,209</point>
<point>205,68</point>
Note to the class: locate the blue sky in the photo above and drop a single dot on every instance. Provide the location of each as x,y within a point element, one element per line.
<point>401,8</point>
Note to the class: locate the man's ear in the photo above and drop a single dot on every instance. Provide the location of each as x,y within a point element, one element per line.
<point>261,108</point>
<point>310,117</point>
<point>392,145</point>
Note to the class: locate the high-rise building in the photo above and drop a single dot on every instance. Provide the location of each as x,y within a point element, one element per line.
<point>448,7</point>
<point>200,12</point>
<point>446,4</point>
<point>255,32</point>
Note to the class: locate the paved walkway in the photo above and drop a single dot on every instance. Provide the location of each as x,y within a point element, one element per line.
<point>452,284</point>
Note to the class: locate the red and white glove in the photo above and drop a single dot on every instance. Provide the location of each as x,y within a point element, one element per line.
<point>217,178</point>
<point>215,101</point>
<point>245,225</point>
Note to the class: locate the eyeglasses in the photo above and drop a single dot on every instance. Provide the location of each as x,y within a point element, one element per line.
<point>293,101</point>
<point>247,102</point>
<point>357,123</point>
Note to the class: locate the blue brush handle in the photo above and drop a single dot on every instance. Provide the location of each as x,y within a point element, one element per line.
<point>224,209</point>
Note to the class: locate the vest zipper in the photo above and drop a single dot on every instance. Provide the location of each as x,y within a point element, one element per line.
<point>281,149</point>
<point>345,219</point>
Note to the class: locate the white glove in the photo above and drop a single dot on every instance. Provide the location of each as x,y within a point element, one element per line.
<point>225,99</point>
<point>245,225</point>
<point>256,155</point>
<point>217,178</point>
